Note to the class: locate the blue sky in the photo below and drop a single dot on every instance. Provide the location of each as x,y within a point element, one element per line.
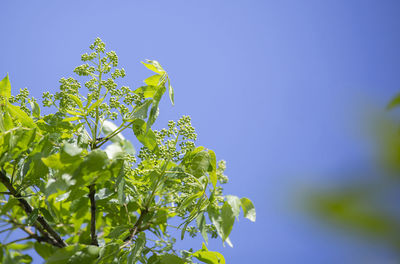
<point>273,87</point>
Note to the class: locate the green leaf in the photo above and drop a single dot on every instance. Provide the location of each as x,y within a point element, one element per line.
<point>95,104</point>
<point>209,257</point>
<point>201,224</point>
<point>5,87</point>
<point>171,259</point>
<point>93,164</point>
<point>395,102</point>
<point>249,210</point>
<point>154,66</point>
<point>108,252</point>
<point>188,200</point>
<point>154,108</point>
<point>148,139</point>
<point>228,218</point>
<point>72,118</point>
<point>235,204</point>
<point>35,109</point>
<point>20,116</point>
<point>46,214</point>
<point>108,128</point>
<point>153,80</point>
<point>76,100</point>
<point>200,163</point>
<point>213,172</point>
<point>137,249</point>
<point>117,231</point>
<point>140,112</point>
<point>148,91</point>
<point>32,217</point>
<point>171,92</point>
<point>44,250</point>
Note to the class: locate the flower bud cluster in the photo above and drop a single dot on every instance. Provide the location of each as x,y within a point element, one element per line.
<point>22,99</point>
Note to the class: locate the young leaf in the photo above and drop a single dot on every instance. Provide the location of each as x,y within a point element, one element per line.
<point>213,172</point>
<point>76,100</point>
<point>153,66</point>
<point>171,92</point>
<point>5,87</point>
<point>35,109</point>
<point>153,80</point>
<point>249,210</point>
<point>209,257</point>
<point>20,116</point>
<point>95,104</point>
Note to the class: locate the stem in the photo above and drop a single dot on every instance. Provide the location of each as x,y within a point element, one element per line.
<point>135,228</point>
<point>28,209</point>
<point>92,191</point>
<point>118,130</point>
<point>17,240</point>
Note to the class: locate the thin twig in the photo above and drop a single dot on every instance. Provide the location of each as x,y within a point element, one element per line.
<point>17,240</point>
<point>28,209</point>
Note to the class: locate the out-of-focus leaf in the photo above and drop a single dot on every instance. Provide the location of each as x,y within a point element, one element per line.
<point>108,128</point>
<point>171,259</point>
<point>395,102</point>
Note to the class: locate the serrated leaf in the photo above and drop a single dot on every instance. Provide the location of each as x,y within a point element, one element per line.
<point>249,210</point>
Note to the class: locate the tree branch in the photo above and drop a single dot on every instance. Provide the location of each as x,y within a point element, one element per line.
<point>92,191</point>
<point>28,209</point>
<point>134,230</point>
<point>44,238</point>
